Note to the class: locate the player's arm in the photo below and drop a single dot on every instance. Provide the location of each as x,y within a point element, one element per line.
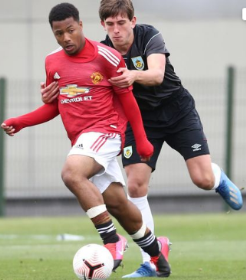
<point>155,73</point>
<point>156,53</point>
<point>132,112</point>
<point>42,114</point>
<point>151,77</point>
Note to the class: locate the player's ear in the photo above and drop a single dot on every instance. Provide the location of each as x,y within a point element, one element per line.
<point>103,24</point>
<point>133,22</point>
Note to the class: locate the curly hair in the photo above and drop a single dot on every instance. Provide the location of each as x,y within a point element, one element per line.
<point>63,11</point>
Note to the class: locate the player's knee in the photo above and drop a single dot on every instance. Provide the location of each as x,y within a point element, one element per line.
<point>134,191</point>
<point>137,189</point>
<point>65,177</point>
<point>204,182</point>
<point>68,178</point>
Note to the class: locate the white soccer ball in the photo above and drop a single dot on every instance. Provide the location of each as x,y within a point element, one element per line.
<point>94,262</point>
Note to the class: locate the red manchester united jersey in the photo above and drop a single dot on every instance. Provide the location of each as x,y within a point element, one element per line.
<point>87,101</point>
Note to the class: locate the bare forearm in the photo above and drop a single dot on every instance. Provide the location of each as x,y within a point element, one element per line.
<point>153,77</point>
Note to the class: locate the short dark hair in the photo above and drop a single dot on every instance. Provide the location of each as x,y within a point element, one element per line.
<point>63,11</point>
<point>112,8</point>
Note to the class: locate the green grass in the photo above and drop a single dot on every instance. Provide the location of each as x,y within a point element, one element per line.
<point>205,247</point>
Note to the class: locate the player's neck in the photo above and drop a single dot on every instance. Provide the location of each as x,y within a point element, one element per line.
<point>123,49</point>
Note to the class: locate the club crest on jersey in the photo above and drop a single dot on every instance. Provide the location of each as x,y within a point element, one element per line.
<point>127,151</point>
<point>73,90</point>
<point>96,78</point>
<point>138,62</point>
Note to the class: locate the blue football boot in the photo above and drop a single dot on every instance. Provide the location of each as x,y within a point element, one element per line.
<point>230,192</point>
<point>145,270</point>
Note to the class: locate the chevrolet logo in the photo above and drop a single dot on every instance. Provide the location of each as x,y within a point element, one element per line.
<point>73,90</point>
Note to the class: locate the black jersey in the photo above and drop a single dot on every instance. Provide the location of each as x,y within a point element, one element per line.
<point>148,40</point>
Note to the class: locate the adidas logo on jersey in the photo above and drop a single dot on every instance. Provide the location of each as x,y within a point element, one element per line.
<point>56,76</point>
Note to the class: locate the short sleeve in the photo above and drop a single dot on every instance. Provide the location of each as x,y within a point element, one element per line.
<point>156,44</point>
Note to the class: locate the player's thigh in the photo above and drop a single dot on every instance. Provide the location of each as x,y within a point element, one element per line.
<point>130,156</point>
<point>77,167</point>
<point>103,147</point>
<point>188,137</point>
<point>112,174</point>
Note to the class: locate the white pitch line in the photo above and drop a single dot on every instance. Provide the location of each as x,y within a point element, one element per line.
<point>59,237</point>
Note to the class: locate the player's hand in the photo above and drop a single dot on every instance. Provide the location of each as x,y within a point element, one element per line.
<point>145,150</point>
<point>8,129</point>
<point>11,126</point>
<point>125,80</point>
<point>49,93</point>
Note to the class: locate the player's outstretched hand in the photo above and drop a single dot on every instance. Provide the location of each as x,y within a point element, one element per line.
<point>11,126</point>
<point>8,129</point>
<point>49,93</point>
<point>145,150</point>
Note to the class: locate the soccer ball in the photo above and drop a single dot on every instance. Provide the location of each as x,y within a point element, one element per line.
<point>94,262</point>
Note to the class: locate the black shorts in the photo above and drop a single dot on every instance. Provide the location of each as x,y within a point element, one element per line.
<point>186,136</point>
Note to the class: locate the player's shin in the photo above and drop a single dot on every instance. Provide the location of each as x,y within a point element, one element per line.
<point>114,242</point>
<point>157,248</point>
<point>146,240</point>
<point>103,223</point>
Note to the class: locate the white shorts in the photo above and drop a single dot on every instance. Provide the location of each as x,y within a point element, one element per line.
<point>104,148</point>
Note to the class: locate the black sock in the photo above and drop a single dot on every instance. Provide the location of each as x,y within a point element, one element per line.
<point>149,244</point>
<point>107,232</point>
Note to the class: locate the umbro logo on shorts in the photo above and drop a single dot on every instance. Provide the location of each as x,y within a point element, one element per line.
<point>196,147</point>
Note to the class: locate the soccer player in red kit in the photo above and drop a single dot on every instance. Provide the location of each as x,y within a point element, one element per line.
<point>94,114</point>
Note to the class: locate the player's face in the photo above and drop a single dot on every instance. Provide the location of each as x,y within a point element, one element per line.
<point>120,31</point>
<point>69,35</point>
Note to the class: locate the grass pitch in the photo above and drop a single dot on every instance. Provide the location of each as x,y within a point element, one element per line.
<point>205,247</point>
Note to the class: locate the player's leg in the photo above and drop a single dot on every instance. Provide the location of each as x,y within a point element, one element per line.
<point>76,173</point>
<point>83,163</point>
<point>130,219</point>
<point>213,177</point>
<point>200,170</point>
<point>138,177</point>
<point>122,209</point>
<point>192,144</point>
